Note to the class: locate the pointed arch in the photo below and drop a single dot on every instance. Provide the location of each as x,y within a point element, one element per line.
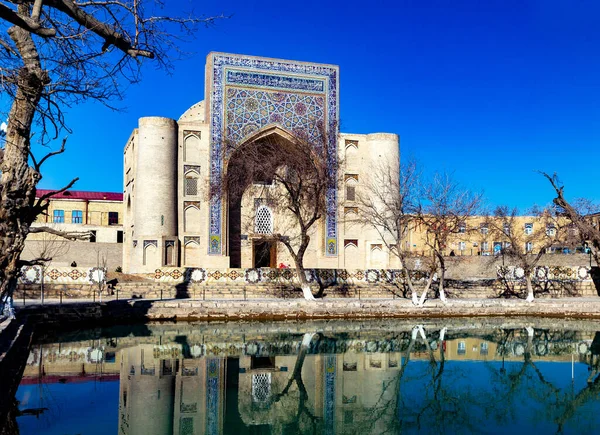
<point>191,219</point>
<point>378,257</point>
<point>351,154</point>
<point>191,251</point>
<point>191,148</point>
<point>352,258</point>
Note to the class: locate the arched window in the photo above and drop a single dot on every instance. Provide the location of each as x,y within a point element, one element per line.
<point>263,223</point>
<point>351,189</point>
<point>191,184</point>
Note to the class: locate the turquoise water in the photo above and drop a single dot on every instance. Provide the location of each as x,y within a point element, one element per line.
<point>459,376</point>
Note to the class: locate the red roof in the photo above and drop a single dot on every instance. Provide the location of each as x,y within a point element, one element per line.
<point>83,195</point>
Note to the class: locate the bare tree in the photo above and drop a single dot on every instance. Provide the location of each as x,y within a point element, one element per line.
<point>299,171</point>
<point>389,203</point>
<point>445,207</point>
<point>578,213</point>
<point>521,240</point>
<point>57,53</point>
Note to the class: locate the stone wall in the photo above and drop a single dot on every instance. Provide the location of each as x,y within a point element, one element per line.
<point>474,289</point>
<point>121,312</point>
<point>85,254</point>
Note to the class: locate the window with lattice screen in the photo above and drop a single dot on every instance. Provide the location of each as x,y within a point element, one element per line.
<point>264,220</point>
<point>191,186</point>
<point>261,387</point>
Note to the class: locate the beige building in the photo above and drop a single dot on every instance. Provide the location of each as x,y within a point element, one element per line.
<point>481,235</point>
<point>170,165</point>
<point>100,213</point>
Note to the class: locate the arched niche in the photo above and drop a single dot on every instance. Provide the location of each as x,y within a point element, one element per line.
<point>191,219</point>
<point>191,148</point>
<point>191,253</point>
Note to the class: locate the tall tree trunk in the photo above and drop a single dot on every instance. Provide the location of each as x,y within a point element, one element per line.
<point>18,181</point>
<point>528,281</point>
<point>300,271</point>
<point>442,277</point>
<point>413,292</point>
<point>426,290</point>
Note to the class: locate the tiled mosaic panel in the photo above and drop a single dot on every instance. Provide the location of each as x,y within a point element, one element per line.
<point>546,273</point>
<point>330,276</point>
<point>250,110</point>
<point>62,275</point>
<point>296,96</point>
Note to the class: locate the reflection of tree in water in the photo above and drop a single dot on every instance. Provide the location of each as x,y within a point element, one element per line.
<point>422,389</point>
<point>297,397</point>
<point>543,400</point>
<point>444,407</point>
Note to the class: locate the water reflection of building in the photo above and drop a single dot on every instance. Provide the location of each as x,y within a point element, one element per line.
<point>163,393</point>
<point>188,396</point>
<point>233,383</point>
<point>341,389</point>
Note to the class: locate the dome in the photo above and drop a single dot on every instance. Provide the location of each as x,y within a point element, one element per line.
<point>194,113</point>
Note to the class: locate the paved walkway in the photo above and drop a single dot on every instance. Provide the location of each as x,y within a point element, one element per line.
<point>230,309</point>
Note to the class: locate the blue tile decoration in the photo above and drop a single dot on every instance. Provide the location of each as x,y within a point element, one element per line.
<point>329,393</point>
<point>250,93</point>
<point>212,395</point>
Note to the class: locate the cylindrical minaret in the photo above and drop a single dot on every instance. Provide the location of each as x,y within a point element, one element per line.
<point>384,147</point>
<point>156,184</point>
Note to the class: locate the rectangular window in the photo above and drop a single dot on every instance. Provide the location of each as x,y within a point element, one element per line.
<point>550,230</point>
<point>191,186</point>
<point>119,236</point>
<point>506,229</point>
<point>529,247</point>
<point>462,228</point>
<point>485,246</point>
<point>484,349</point>
<point>350,193</point>
<point>484,229</point>
<point>58,217</point>
<point>529,229</point>
<point>113,218</point>
<point>350,367</point>
<point>462,348</point>
<point>462,246</point>
<point>76,217</point>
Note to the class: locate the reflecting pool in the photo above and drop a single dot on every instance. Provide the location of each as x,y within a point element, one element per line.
<point>331,377</point>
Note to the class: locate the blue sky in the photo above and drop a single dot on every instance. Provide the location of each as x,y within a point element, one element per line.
<point>492,90</point>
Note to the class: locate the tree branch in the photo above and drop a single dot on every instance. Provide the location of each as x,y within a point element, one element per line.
<point>51,194</point>
<point>110,36</point>
<point>69,235</point>
<point>47,156</point>
<point>25,23</point>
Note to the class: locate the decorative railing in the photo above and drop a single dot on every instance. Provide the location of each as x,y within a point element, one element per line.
<point>62,275</point>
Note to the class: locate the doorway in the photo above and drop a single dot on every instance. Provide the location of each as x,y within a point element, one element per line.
<point>264,254</point>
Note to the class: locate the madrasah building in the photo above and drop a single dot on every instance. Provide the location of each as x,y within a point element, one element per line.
<point>169,166</point>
